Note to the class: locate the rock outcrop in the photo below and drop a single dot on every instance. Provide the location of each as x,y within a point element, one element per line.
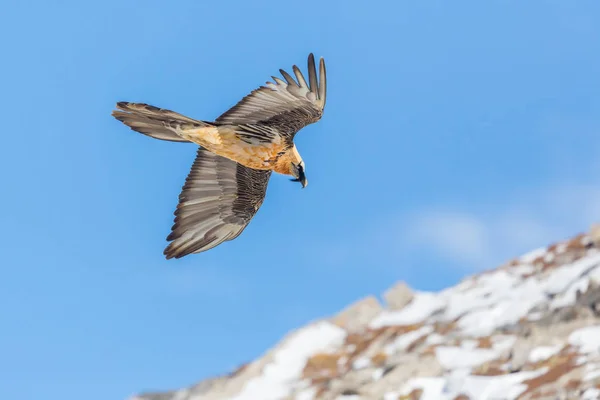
<point>358,315</point>
<point>529,329</point>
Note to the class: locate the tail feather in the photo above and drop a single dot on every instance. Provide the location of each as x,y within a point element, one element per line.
<point>155,122</point>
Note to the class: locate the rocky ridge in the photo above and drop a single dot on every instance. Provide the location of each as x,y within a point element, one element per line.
<point>529,329</point>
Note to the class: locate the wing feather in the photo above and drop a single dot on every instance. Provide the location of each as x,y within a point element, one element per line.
<point>287,106</point>
<point>288,78</point>
<point>312,74</point>
<point>323,83</point>
<point>300,77</point>
<point>217,202</point>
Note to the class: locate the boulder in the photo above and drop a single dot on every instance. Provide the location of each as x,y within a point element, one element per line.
<point>398,296</point>
<point>358,315</point>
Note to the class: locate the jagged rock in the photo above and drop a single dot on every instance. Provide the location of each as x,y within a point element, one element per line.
<point>358,315</point>
<point>594,235</point>
<point>590,298</point>
<point>398,296</point>
<point>192,393</point>
<point>410,367</point>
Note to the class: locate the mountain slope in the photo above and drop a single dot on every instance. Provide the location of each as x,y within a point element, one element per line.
<point>529,329</point>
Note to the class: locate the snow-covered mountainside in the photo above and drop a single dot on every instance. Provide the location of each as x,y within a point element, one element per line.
<point>529,329</point>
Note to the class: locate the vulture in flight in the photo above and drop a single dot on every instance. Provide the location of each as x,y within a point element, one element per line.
<point>237,154</point>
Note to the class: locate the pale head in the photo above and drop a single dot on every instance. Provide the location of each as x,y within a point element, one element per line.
<point>290,163</point>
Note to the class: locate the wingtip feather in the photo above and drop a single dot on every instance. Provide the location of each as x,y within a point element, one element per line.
<point>323,81</point>
<point>300,77</point>
<point>312,75</point>
<point>288,78</point>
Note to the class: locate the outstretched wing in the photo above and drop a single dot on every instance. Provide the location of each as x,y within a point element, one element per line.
<point>286,105</point>
<point>217,202</point>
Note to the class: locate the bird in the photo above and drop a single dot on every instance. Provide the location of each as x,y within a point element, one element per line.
<point>236,156</point>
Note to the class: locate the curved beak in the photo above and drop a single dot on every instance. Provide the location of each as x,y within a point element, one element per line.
<point>303,181</point>
<point>300,176</point>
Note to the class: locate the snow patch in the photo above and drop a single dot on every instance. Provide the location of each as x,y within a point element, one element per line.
<point>422,306</point>
<point>528,258</point>
<point>289,360</point>
<point>535,316</point>
<point>402,342</point>
<point>590,376</point>
<point>502,297</point>
<point>505,387</point>
<point>377,374</point>
<point>569,296</point>
<point>523,270</point>
<point>458,357</point>
<point>542,353</point>
<point>587,339</point>
<point>435,338</point>
<point>391,396</point>
<point>591,394</point>
<point>510,300</point>
<point>594,275</point>
<point>562,278</point>
<point>361,363</point>
<point>307,394</point>
<point>503,343</point>
<point>561,248</point>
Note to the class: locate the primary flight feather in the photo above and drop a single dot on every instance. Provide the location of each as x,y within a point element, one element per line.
<point>238,152</point>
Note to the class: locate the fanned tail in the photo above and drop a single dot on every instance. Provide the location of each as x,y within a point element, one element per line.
<point>155,122</point>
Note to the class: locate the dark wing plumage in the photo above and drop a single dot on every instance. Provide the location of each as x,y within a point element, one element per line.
<point>286,106</point>
<point>217,202</point>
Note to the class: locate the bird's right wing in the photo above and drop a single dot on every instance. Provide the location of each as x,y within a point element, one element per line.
<point>217,202</point>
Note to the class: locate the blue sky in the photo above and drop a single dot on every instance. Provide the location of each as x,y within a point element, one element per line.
<point>456,136</point>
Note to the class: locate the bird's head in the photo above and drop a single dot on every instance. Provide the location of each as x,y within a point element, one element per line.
<point>298,173</point>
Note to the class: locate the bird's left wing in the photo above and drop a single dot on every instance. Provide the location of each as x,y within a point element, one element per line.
<point>217,202</point>
<point>287,105</point>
